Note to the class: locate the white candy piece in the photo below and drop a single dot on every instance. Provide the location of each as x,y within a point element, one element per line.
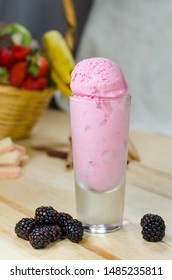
<point>6,145</point>
<point>11,158</point>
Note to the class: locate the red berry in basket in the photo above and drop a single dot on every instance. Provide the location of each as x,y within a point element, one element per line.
<point>38,66</point>
<point>20,52</point>
<point>35,84</point>
<point>17,73</point>
<point>6,57</point>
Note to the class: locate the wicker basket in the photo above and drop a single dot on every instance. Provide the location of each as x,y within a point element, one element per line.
<point>20,109</point>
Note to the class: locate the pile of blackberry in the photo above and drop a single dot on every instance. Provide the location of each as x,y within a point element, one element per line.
<point>153,227</point>
<point>47,226</point>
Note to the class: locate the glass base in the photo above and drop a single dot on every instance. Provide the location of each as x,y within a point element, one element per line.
<point>101,228</point>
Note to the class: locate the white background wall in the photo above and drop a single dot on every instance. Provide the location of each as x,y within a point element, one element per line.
<point>136,34</point>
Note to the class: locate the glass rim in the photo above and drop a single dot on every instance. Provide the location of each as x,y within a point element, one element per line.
<point>90,98</point>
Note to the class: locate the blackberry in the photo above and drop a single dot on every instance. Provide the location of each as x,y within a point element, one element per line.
<point>55,233</point>
<point>40,237</point>
<point>24,227</point>
<point>153,227</point>
<point>46,215</point>
<point>63,218</point>
<point>74,230</point>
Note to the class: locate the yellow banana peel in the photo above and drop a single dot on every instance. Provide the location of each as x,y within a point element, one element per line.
<point>60,58</point>
<point>64,88</point>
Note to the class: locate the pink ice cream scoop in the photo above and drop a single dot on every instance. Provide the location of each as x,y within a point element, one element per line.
<point>98,77</point>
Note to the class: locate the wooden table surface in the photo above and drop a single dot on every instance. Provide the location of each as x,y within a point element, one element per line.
<point>45,181</point>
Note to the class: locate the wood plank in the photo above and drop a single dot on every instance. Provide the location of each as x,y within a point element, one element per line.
<point>21,249</point>
<point>154,180</point>
<point>45,181</point>
<point>155,149</point>
<point>109,246</point>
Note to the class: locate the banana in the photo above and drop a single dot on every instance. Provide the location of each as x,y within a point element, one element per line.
<point>60,58</point>
<point>64,88</point>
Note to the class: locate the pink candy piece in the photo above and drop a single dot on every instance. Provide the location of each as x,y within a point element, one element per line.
<point>10,172</point>
<point>12,158</point>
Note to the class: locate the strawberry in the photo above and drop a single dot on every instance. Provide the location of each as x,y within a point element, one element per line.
<point>35,83</point>
<point>6,57</point>
<point>38,66</point>
<point>17,73</point>
<point>20,52</point>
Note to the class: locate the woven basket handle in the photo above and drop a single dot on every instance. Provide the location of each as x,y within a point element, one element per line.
<point>70,17</point>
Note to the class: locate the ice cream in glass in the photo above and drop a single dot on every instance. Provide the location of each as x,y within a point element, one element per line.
<point>100,112</point>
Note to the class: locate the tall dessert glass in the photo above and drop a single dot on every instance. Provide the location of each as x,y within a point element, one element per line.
<point>100,128</point>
